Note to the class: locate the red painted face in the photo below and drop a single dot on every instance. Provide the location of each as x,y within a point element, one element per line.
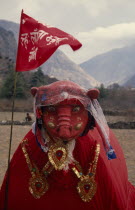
<point>66,120</point>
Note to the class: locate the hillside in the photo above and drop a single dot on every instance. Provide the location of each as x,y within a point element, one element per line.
<point>7,51</point>
<point>130,82</point>
<point>10,26</point>
<point>7,44</point>
<point>61,67</point>
<point>115,66</point>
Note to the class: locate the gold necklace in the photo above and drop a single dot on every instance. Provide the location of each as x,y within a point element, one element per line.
<point>38,185</point>
<point>57,155</point>
<point>87,186</point>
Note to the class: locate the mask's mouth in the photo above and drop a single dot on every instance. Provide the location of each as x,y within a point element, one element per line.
<point>64,131</point>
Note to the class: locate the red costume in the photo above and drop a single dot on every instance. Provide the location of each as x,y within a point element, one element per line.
<point>70,159</point>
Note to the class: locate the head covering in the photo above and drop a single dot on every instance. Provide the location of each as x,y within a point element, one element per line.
<point>65,90</point>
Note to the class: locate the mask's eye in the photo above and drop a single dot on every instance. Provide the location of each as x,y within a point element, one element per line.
<point>76,109</point>
<point>51,109</point>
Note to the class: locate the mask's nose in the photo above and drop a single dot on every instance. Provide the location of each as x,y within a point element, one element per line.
<point>64,122</point>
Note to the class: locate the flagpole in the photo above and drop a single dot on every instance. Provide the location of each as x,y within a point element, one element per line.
<point>10,142</point>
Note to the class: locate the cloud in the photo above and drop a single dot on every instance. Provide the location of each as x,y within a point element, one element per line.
<point>103,39</point>
<point>55,12</point>
<point>93,8</point>
<point>113,32</point>
<point>29,5</point>
<point>11,10</point>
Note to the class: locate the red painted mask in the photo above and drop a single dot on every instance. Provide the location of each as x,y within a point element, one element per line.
<point>66,120</point>
<point>64,106</point>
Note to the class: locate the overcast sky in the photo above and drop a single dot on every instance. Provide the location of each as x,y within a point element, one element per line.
<point>100,25</point>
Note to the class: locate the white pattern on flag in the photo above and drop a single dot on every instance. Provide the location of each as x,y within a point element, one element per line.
<point>24,39</point>
<point>54,39</point>
<point>23,21</point>
<point>37,35</point>
<point>33,54</point>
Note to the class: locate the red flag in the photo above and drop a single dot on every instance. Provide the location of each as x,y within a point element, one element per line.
<point>37,42</point>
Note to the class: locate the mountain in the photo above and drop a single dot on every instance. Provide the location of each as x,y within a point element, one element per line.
<point>59,65</point>
<point>62,68</point>
<point>10,26</point>
<point>115,66</point>
<point>7,51</point>
<point>7,44</point>
<point>130,82</point>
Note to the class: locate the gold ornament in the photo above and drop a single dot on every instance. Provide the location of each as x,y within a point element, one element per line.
<point>51,125</point>
<point>37,183</point>
<point>87,186</point>
<point>57,155</point>
<point>78,126</point>
<point>38,186</point>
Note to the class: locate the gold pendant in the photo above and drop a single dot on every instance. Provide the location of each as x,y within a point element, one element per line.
<point>57,155</point>
<point>87,188</point>
<point>38,186</point>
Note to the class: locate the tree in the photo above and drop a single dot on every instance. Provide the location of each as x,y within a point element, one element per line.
<point>37,78</point>
<point>103,91</point>
<point>7,88</point>
<point>21,86</point>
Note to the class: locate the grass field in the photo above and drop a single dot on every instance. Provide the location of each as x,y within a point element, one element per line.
<point>126,138</point>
